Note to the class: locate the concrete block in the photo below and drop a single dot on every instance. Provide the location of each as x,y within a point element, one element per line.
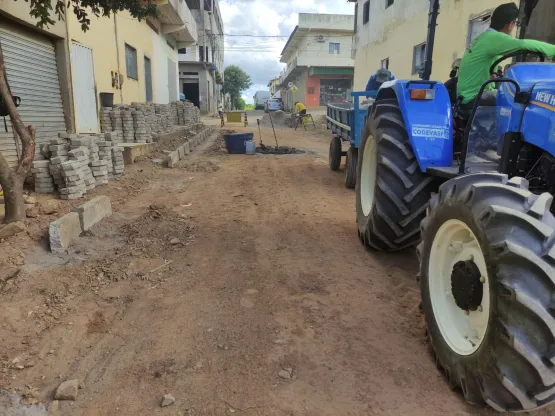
<point>172,159</point>
<point>187,147</point>
<point>181,152</point>
<point>63,231</point>
<point>94,211</point>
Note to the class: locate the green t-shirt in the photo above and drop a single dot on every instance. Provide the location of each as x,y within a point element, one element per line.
<point>483,52</point>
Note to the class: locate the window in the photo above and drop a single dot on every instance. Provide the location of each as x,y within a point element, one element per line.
<point>182,50</point>
<point>366,12</point>
<point>418,58</point>
<point>206,54</point>
<point>385,63</point>
<point>335,47</point>
<point>201,53</point>
<point>389,3</point>
<point>131,62</point>
<point>477,26</point>
<point>311,90</point>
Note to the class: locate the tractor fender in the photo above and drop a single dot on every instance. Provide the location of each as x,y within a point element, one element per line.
<point>429,123</point>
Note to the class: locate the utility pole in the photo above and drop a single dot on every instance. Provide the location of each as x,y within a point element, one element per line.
<point>211,14</point>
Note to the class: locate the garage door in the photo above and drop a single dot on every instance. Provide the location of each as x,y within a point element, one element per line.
<point>32,74</point>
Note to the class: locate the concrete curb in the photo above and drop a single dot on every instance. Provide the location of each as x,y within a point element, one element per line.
<point>173,157</point>
<point>68,228</point>
<point>94,211</point>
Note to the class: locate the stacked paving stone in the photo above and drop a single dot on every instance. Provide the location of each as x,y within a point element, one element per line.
<point>57,157</point>
<point>75,171</point>
<point>44,184</point>
<point>174,113</point>
<point>164,113</point>
<point>117,124</point>
<point>105,119</point>
<point>105,156</point>
<point>127,123</point>
<point>81,149</point>
<point>139,125</point>
<point>117,161</point>
<point>180,107</point>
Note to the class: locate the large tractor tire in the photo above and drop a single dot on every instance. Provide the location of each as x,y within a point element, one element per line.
<point>351,162</point>
<point>488,290</point>
<point>335,153</point>
<point>392,192</point>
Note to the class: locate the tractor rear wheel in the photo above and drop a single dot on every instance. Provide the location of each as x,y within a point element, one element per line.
<point>488,290</point>
<point>392,193</point>
<point>351,162</point>
<point>335,153</point>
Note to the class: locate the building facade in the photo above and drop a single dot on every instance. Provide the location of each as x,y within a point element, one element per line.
<point>274,86</point>
<point>318,60</point>
<point>201,64</point>
<point>61,72</point>
<point>392,34</point>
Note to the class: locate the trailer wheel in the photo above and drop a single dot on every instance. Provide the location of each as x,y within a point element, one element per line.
<point>392,192</point>
<point>351,162</point>
<point>335,153</point>
<point>488,290</point>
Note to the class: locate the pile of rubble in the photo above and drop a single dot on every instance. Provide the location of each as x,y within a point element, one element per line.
<point>74,165</point>
<point>143,122</point>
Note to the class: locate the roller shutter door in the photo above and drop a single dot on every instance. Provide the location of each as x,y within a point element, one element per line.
<point>33,75</point>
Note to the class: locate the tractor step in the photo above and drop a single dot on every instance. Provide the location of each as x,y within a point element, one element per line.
<point>453,171</point>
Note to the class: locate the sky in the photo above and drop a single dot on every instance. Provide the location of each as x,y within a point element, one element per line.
<point>259,57</point>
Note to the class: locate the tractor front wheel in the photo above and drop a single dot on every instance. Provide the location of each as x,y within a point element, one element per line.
<point>488,290</point>
<point>392,193</point>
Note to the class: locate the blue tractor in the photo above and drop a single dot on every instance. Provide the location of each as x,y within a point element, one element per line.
<point>474,193</point>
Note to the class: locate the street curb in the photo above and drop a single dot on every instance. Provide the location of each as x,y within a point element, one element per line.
<point>178,154</point>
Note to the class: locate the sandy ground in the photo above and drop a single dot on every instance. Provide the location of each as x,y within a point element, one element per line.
<point>267,275</point>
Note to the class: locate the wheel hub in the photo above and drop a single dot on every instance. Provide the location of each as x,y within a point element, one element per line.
<point>466,285</point>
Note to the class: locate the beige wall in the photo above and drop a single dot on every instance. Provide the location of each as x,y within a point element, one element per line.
<point>19,11</point>
<point>101,38</point>
<point>405,28</point>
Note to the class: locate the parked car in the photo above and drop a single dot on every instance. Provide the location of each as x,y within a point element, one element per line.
<point>274,104</point>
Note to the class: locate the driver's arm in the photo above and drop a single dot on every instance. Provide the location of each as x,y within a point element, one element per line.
<point>503,44</point>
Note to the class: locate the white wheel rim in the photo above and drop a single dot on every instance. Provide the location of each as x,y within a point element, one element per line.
<point>368,175</point>
<point>463,332</point>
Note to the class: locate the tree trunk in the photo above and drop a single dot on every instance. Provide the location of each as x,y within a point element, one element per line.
<point>12,179</point>
<point>13,197</point>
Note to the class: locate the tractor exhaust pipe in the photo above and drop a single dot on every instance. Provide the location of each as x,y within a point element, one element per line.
<point>430,39</point>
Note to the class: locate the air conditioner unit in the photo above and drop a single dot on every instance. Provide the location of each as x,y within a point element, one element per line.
<point>320,38</point>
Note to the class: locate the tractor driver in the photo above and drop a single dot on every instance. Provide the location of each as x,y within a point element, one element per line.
<point>487,48</point>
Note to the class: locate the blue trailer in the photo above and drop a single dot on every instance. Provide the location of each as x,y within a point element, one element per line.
<point>346,122</point>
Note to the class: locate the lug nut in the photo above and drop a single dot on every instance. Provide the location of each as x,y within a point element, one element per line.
<point>482,279</point>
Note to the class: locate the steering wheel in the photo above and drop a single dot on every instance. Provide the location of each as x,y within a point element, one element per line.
<point>493,68</point>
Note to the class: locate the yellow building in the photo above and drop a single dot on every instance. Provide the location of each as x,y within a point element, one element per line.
<point>392,34</point>
<point>60,72</point>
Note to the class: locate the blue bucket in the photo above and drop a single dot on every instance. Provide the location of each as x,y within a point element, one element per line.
<point>235,143</point>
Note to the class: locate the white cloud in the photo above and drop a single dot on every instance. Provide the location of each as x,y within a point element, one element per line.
<point>259,57</point>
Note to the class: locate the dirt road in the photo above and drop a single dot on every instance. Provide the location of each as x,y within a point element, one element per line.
<point>267,277</point>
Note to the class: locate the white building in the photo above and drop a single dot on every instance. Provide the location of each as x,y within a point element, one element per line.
<point>319,61</point>
<point>201,65</point>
